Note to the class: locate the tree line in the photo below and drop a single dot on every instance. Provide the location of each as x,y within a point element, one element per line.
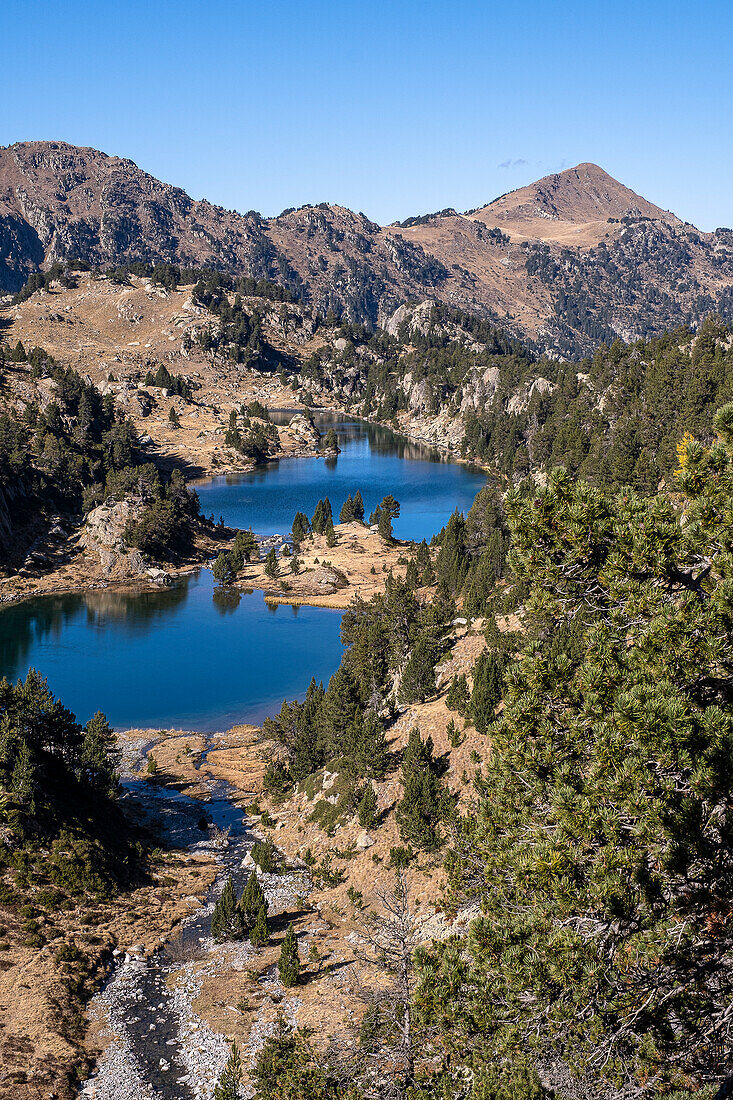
<point>599,851</point>
<point>78,451</point>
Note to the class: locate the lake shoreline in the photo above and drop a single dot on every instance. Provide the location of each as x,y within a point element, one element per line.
<point>339,599</point>
<point>161,648</point>
<point>95,586</point>
<point>53,583</point>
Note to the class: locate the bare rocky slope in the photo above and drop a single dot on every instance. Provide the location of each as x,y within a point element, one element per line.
<point>564,263</point>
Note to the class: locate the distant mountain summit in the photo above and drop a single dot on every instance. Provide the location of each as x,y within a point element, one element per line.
<point>564,263</point>
<point>577,196</point>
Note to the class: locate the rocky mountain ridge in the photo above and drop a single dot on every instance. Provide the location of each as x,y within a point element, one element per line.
<point>568,262</point>
<point>435,374</point>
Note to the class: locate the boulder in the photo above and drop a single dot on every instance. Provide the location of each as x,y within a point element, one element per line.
<point>105,525</point>
<point>329,579</point>
<point>103,534</point>
<point>364,841</point>
<point>305,429</point>
<point>158,576</point>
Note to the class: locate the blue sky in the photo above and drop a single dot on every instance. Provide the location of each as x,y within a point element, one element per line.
<point>394,108</point>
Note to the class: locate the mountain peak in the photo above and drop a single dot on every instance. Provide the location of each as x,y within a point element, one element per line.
<point>579,196</point>
<point>528,258</point>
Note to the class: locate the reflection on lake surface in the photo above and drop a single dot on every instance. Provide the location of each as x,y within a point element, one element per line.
<point>196,656</point>
<point>192,656</point>
<point>372,459</point>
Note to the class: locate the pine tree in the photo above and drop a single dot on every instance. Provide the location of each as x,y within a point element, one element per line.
<point>424,564</point>
<point>266,857</point>
<point>365,746</point>
<point>322,517</point>
<point>244,549</point>
<point>452,562</point>
<point>272,565</point>
<point>288,966</point>
<point>367,811</point>
<point>222,568</point>
<point>318,522</point>
<point>226,921</point>
<point>100,755</point>
<point>459,697</point>
<point>336,713</point>
<point>289,1068</point>
<point>391,506</point>
<point>383,515</point>
<point>488,687</point>
<point>22,783</point>
<point>230,1082</point>
<point>252,900</point>
<point>424,801</point>
<point>452,733</point>
<point>481,579</point>
<point>358,505</point>
<point>384,525</point>
<point>260,933</point>
<point>418,679</point>
<point>346,514</point>
<point>301,528</point>
<point>604,822</point>
<point>412,574</point>
<point>331,442</point>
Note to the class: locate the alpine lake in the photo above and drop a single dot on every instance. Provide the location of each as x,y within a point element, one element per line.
<point>194,656</point>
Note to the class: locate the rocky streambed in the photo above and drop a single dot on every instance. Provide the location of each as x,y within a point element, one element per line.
<point>157,1045</point>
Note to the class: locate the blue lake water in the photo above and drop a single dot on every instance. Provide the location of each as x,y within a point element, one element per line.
<point>373,460</point>
<point>189,657</point>
<point>197,657</point>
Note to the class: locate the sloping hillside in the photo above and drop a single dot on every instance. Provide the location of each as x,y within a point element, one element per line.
<point>564,263</point>
<point>567,203</point>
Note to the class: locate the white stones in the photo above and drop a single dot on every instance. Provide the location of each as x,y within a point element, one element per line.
<point>148,1002</point>
<point>364,841</point>
<point>159,576</point>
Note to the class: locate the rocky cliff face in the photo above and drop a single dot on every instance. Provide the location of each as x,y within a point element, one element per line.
<point>103,534</point>
<point>74,203</point>
<point>565,263</point>
<point>7,497</point>
<point>60,202</point>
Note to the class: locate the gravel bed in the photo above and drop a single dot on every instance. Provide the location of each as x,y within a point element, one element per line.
<point>159,1049</point>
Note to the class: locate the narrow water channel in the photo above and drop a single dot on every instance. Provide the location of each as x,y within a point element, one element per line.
<point>158,1048</point>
